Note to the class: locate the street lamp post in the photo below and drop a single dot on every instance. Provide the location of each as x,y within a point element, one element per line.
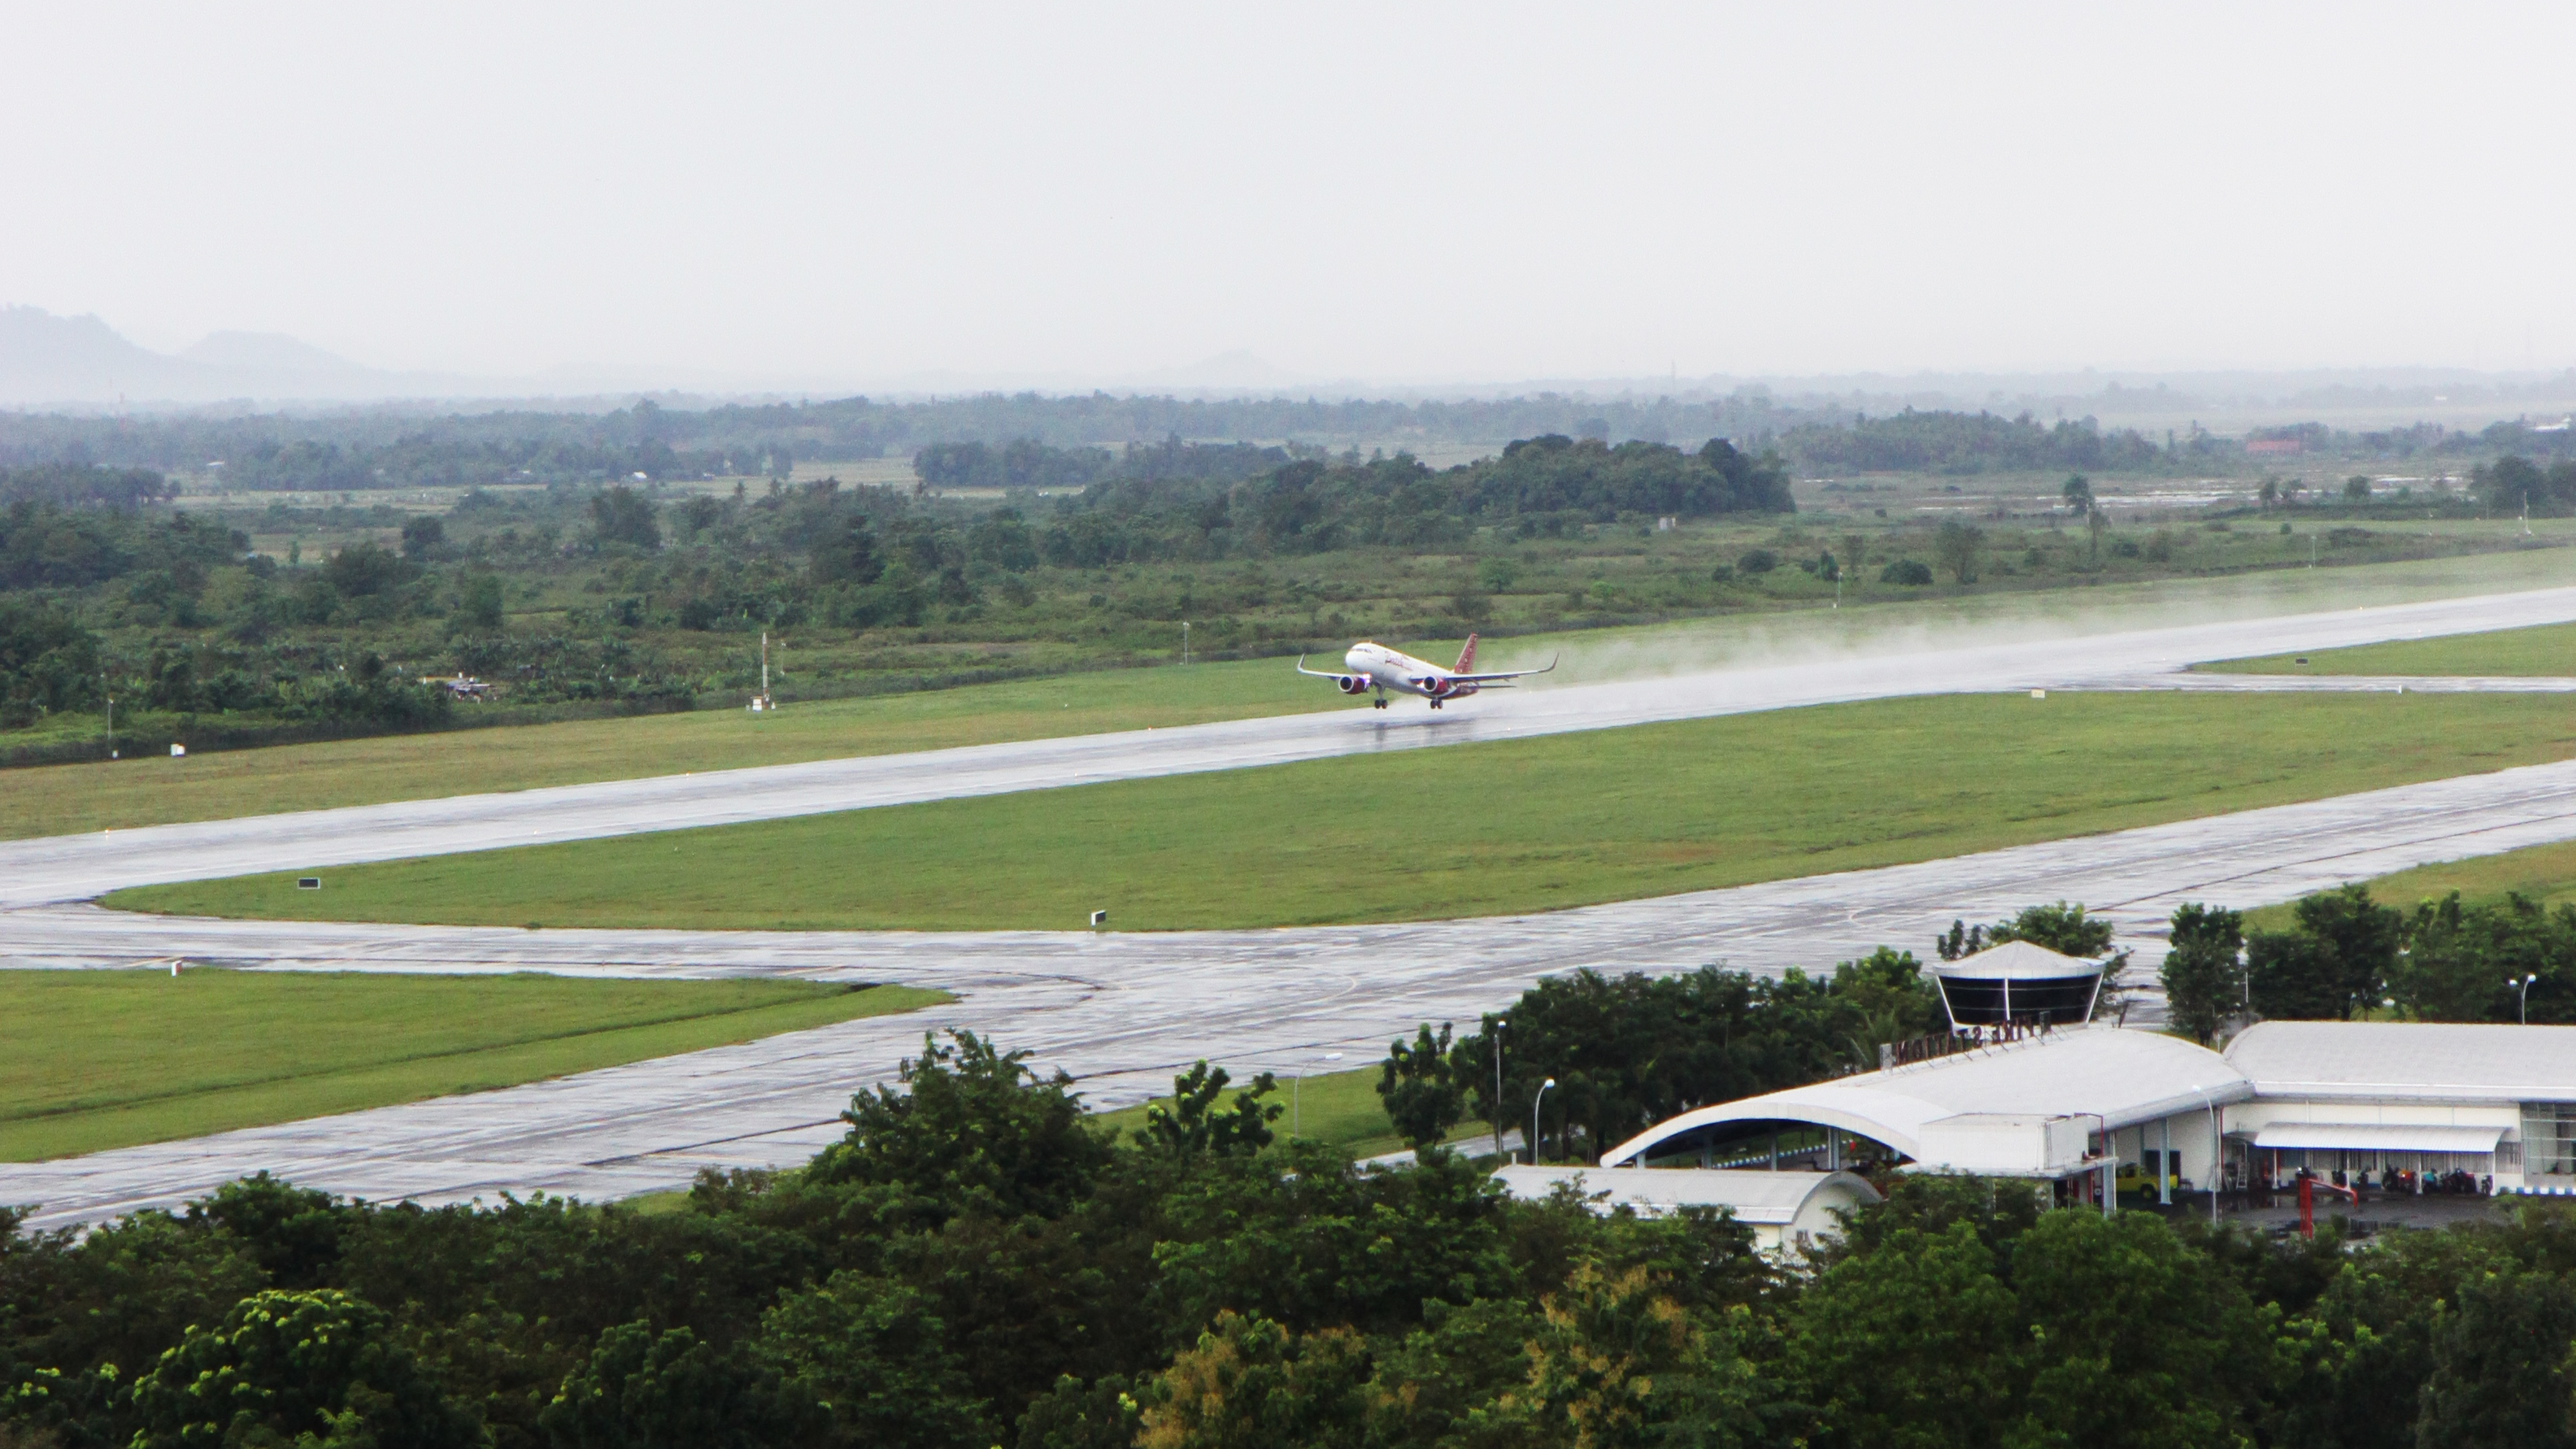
<point>2217,1150</point>
<point>2521,996</point>
<point>1297,1089</point>
<point>1534,1101</point>
<point>1499,1024</point>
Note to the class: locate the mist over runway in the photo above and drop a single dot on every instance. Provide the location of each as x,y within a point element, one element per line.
<point>1122,1012</point>
<point>66,868</point>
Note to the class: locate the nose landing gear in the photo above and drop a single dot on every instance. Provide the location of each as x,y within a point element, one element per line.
<point>1435,704</point>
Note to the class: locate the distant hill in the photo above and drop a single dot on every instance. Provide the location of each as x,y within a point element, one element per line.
<point>267,351</point>
<point>47,360</point>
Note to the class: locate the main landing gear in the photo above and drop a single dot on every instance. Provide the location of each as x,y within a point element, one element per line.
<point>1435,704</point>
<point>1380,701</point>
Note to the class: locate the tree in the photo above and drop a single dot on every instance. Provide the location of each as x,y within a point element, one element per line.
<point>2139,1341</point>
<point>2501,1368</point>
<point>1915,1344</point>
<point>1193,1126</point>
<point>1420,1088</point>
<point>2078,493</point>
<point>876,1359</point>
<point>48,662</point>
<point>2363,936</point>
<point>1251,1384</point>
<point>2062,928</point>
<point>2458,955</point>
<point>420,534</point>
<point>642,1390</point>
<point>2356,489</point>
<point>365,569</point>
<point>2293,976</point>
<point>1956,546</point>
<point>2094,522</point>
<point>2509,483</point>
<point>479,602</point>
<point>2270,492</point>
<point>317,1368</point>
<point>622,515</point>
<point>2204,973</point>
<point>977,1131</point>
<point>852,557</point>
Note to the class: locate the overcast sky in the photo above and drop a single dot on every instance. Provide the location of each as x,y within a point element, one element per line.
<point>1394,193</point>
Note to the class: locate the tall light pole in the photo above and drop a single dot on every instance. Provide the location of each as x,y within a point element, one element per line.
<point>1534,1101</point>
<point>2521,996</point>
<point>2217,1150</point>
<point>1499,1024</point>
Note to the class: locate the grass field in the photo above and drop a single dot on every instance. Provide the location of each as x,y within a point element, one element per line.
<point>1337,1107</point>
<point>97,1059</point>
<point>1508,826</point>
<point>2546,873</point>
<point>65,799</point>
<point>2547,650</point>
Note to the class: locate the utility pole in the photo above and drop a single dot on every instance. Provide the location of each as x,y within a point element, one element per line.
<point>1185,641</point>
<point>111,727</point>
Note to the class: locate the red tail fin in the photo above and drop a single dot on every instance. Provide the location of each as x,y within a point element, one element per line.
<point>1466,656</point>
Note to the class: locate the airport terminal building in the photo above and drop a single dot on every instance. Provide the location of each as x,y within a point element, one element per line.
<point>2384,1106</point>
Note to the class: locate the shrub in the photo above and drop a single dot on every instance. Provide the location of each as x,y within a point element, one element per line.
<point>1911,572</point>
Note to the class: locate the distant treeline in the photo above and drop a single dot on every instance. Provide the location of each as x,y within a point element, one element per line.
<point>489,447</point>
<point>993,440</point>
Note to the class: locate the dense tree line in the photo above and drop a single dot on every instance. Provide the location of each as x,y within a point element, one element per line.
<point>1956,442</point>
<point>1628,1051</point>
<point>2346,956</point>
<point>978,1262</point>
<point>762,438</point>
<point>2514,482</point>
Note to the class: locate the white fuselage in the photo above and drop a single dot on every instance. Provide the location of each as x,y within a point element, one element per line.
<point>1392,669</point>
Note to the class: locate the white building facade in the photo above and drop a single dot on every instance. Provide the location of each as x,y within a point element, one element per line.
<point>2385,1106</point>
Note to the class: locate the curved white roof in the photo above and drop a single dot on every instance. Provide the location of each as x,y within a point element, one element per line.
<point>2124,1077</point>
<point>2417,1060</point>
<point>2018,961</point>
<point>1799,1200</point>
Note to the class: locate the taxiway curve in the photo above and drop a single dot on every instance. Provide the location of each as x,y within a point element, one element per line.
<point>1123,1011</point>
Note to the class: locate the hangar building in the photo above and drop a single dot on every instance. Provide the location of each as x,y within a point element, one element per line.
<point>2397,1106</point>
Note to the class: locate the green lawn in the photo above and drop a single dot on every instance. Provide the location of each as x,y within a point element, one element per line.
<point>2546,873</point>
<point>97,1059</point>
<point>1337,1107</point>
<point>66,799</point>
<point>1513,825</point>
<point>2549,649</point>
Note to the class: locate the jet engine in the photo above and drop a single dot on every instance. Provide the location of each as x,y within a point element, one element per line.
<point>1434,686</point>
<point>1352,684</point>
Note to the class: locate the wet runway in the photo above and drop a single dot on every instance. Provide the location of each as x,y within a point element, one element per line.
<point>1122,1012</point>
<point>61,868</point>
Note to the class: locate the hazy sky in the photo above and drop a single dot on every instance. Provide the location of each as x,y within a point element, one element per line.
<point>1384,192</point>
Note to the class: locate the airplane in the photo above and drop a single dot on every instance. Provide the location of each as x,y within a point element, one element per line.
<point>1374,666</point>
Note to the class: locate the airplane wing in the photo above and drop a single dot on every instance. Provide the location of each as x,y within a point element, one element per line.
<point>1329,673</point>
<point>1500,675</point>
